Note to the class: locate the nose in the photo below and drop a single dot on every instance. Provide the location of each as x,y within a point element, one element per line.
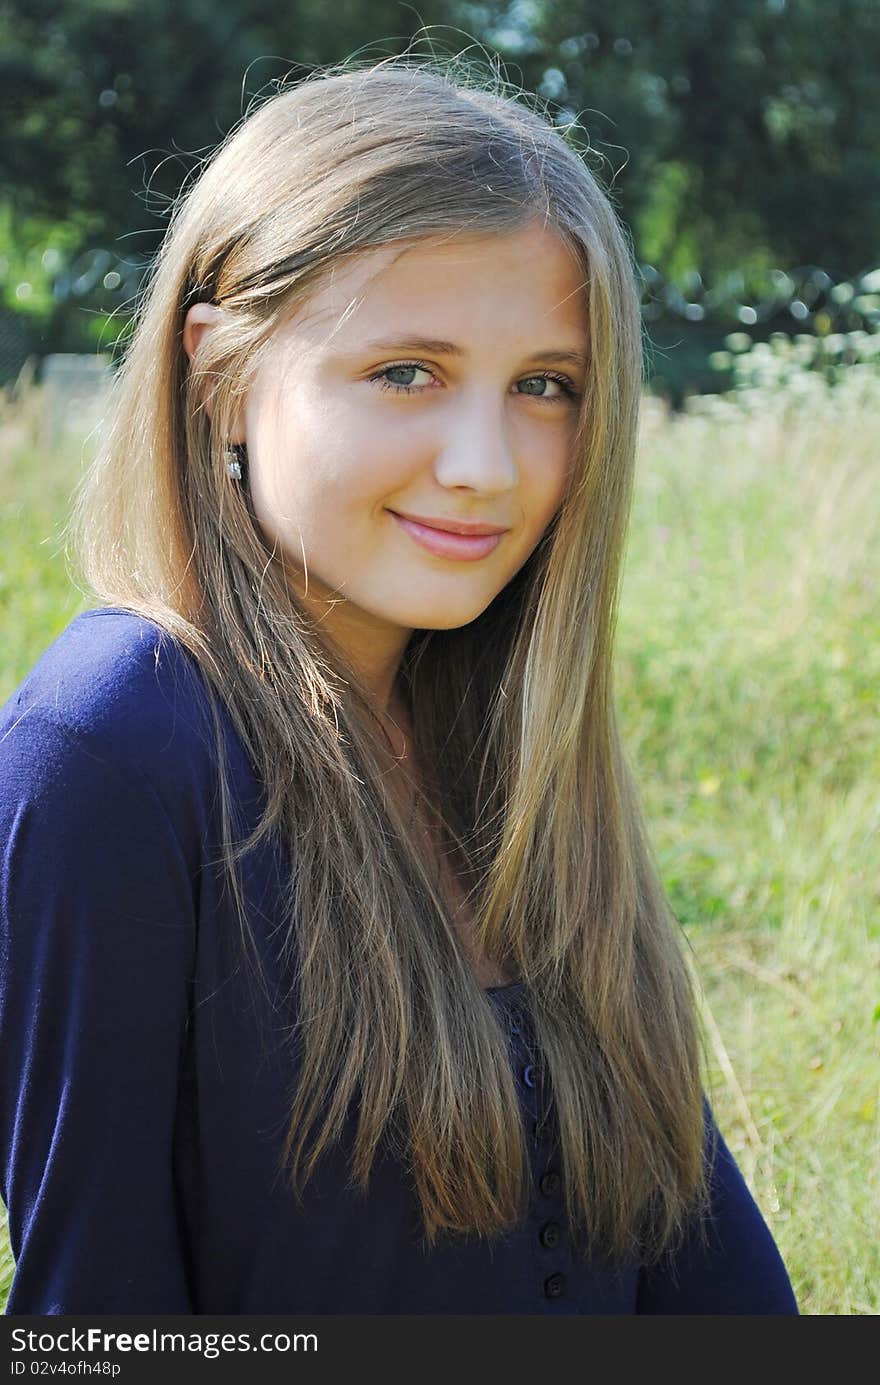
<point>476,449</point>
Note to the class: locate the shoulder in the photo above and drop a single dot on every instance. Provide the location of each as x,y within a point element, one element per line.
<point>104,664</point>
<point>115,690</point>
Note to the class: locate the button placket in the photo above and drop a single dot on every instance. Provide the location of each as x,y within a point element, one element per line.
<point>550,1234</point>
<point>549,1239</point>
<point>528,1069</point>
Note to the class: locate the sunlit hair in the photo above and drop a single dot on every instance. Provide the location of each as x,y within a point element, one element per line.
<point>513,713</point>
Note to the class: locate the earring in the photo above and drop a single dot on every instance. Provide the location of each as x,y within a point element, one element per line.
<point>235,459</point>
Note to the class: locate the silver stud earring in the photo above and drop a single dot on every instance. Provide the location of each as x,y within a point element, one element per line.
<point>234,458</point>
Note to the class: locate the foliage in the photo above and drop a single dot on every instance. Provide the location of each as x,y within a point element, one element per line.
<point>781,361</point>
<point>119,92</point>
<point>725,130</point>
<point>731,127</point>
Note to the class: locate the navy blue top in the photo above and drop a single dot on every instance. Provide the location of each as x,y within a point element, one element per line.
<point>141,1111</point>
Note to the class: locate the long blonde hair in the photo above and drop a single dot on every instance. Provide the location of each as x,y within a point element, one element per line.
<point>514,712</point>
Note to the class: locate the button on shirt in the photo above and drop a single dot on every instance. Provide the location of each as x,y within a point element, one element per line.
<point>549,1235</point>
<point>142,1112</point>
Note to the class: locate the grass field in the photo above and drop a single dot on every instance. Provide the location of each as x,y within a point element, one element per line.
<point>748,671</point>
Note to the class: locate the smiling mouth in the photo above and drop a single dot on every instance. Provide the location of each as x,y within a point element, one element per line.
<point>470,528</point>
<point>444,544</point>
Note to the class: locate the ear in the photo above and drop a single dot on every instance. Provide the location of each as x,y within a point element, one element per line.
<point>200,318</point>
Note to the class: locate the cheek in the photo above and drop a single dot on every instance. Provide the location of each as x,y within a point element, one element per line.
<point>548,488</point>
<point>325,492</point>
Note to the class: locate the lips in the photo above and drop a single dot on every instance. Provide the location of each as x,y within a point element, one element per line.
<point>444,544</point>
<point>470,528</point>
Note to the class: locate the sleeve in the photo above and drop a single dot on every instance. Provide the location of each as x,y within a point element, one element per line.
<point>97,938</point>
<point>736,1268</point>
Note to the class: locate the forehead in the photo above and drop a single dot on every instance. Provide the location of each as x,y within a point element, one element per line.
<point>457,286</point>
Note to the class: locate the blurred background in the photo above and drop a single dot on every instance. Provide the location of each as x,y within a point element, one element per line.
<point>740,143</point>
<point>739,139</point>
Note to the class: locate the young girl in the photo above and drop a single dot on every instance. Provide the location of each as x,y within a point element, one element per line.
<point>339,977</point>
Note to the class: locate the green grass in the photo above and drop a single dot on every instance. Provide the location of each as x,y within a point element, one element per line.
<point>748,676</point>
<point>748,666</point>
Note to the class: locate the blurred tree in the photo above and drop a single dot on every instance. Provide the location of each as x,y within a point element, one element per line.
<point>731,128</point>
<point>736,136</point>
<point>106,106</point>
<point>742,132</point>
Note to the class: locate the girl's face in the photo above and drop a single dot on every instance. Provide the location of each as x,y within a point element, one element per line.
<point>352,421</point>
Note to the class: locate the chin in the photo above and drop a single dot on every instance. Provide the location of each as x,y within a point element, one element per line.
<point>439,620</point>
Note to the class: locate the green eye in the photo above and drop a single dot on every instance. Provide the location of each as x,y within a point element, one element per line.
<point>566,386</point>
<point>387,384</point>
<point>562,380</point>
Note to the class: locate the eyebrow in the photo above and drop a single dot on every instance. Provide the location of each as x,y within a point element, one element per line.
<point>449,348</point>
